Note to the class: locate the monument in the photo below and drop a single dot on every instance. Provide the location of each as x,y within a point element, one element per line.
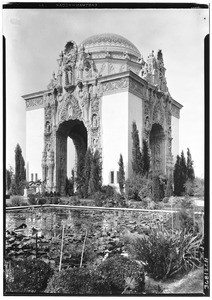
<point>101,87</point>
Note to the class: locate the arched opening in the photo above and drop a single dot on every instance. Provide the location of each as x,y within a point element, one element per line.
<point>157,147</point>
<point>75,130</point>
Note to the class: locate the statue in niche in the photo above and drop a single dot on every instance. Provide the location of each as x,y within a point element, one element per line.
<point>157,151</point>
<point>80,63</point>
<point>70,56</point>
<point>126,56</point>
<point>95,143</point>
<point>87,70</point>
<point>48,127</point>
<point>94,121</point>
<point>47,147</point>
<point>147,123</point>
<point>85,103</point>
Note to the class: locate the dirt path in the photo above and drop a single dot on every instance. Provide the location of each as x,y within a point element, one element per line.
<point>191,283</point>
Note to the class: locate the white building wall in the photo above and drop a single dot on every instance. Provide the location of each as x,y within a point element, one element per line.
<point>114,111</point>
<point>175,136</point>
<point>34,141</point>
<point>135,113</point>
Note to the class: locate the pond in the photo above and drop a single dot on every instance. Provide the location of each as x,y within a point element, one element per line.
<point>105,230</point>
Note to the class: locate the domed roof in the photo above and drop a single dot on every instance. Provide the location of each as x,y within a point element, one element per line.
<point>110,42</point>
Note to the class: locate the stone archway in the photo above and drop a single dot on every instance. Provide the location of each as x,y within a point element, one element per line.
<point>77,131</point>
<point>157,147</point>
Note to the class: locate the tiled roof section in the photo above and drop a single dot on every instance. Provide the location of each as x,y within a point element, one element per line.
<point>111,42</point>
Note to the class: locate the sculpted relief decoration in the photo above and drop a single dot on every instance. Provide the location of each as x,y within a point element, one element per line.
<point>35,103</point>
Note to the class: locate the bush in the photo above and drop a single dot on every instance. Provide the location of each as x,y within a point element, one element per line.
<point>16,200</point>
<point>77,281</point>
<point>138,188</point>
<point>32,199</point>
<point>28,276</point>
<point>122,274</point>
<point>74,200</point>
<point>117,200</point>
<point>166,253</point>
<point>99,199</point>
<point>108,190</point>
<point>55,200</point>
<point>41,201</point>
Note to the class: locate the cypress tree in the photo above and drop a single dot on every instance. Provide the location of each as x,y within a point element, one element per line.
<point>95,182</point>
<point>8,180</point>
<point>169,189</point>
<point>121,174</point>
<point>20,171</point>
<point>183,172</point>
<point>136,152</point>
<point>156,190</point>
<point>80,173</point>
<point>177,177</point>
<point>145,158</point>
<point>189,166</point>
<point>87,172</point>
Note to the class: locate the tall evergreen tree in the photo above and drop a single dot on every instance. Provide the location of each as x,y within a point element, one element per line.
<point>177,177</point>
<point>87,172</point>
<point>183,172</point>
<point>20,171</point>
<point>8,180</point>
<point>189,165</point>
<point>95,182</point>
<point>145,158</point>
<point>136,152</point>
<point>169,189</point>
<point>80,173</point>
<point>121,174</point>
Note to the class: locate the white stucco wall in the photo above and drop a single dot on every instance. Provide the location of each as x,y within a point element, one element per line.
<point>34,141</point>
<point>175,136</point>
<point>114,109</point>
<point>135,115</point>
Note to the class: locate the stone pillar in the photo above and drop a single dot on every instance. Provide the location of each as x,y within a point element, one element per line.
<point>44,166</point>
<point>51,169</point>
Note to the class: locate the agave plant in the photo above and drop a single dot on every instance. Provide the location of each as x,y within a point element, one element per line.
<point>165,253</point>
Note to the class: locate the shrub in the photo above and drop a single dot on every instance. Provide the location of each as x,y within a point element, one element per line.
<point>108,190</point>
<point>16,200</point>
<point>166,253</point>
<point>41,201</point>
<point>117,200</point>
<point>77,281</point>
<point>99,199</point>
<point>55,200</point>
<point>32,199</point>
<point>74,200</point>
<point>28,276</point>
<point>119,272</point>
<point>138,188</point>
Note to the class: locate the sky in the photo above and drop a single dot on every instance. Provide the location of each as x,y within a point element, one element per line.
<point>35,37</point>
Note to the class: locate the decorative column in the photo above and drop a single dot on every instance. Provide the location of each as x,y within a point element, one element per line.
<point>51,169</point>
<point>44,156</point>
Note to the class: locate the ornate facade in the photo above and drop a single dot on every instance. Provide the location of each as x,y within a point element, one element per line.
<point>91,75</point>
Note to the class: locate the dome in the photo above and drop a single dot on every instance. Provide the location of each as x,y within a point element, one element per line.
<point>110,42</point>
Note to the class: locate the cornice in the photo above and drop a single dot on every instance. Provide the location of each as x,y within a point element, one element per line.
<point>34,95</point>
